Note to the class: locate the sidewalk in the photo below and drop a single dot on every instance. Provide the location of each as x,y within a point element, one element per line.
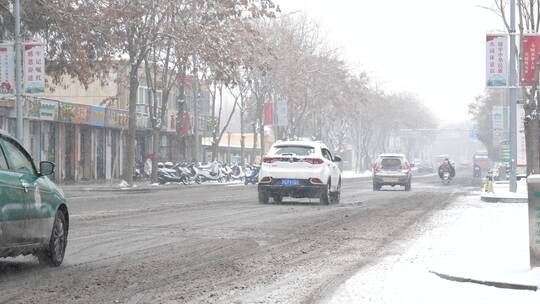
<point>501,193</point>
<point>469,241</point>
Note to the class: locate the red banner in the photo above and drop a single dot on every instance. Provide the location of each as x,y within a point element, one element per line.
<point>268,114</point>
<point>531,50</point>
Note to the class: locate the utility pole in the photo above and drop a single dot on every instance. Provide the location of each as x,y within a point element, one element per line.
<point>18,70</point>
<point>195,86</point>
<point>513,98</point>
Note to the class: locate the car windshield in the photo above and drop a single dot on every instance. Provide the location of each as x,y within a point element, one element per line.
<point>294,150</point>
<point>391,164</point>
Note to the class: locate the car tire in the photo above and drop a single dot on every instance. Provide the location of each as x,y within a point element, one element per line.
<point>336,196</point>
<point>278,199</point>
<point>53,254</point>
<point>408,186</point>
<point>325,195</point>
<point>263,198</point>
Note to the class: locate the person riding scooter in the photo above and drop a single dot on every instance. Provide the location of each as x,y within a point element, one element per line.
<point>446,166</point>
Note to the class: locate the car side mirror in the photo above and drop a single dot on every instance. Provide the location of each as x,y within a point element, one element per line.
<point>337,159</point>
<point>46,168</point>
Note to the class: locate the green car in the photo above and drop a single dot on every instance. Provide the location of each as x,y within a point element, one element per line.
<point>34,217</point>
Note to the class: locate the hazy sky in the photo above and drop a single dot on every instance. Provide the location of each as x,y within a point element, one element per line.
<point>434,48</point>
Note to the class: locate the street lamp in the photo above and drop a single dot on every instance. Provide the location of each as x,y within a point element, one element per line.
<point>18,64</point>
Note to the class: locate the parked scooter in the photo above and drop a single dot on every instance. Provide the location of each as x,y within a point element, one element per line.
<point>237,173</point>
<point>167,174</point>
<point>210,172</point>
<point>252,175</point>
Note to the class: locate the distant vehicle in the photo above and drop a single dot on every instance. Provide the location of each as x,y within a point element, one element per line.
<point>34,217</point>
<point>300,169</point>
<point>481,164</point>
<point>392,170</point>
<point>423,167</point>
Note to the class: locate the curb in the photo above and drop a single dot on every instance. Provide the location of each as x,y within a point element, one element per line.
<point>486,283</point>
<point>509,200</point>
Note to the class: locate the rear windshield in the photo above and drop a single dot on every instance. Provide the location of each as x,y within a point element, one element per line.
<point>294,150</point>
<point>391,164</point>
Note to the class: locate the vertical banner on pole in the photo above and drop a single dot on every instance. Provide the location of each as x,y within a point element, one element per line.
<point>33,68</point>
<point>7,69</point>
<point>521,160</point>
<point>531,49</point>
<point>496,60</point>
<point>268,114</point>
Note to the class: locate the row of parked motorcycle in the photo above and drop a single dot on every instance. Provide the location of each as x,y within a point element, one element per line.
<point>189,173</point>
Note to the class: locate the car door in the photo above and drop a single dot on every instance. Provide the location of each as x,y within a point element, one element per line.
<point>332,167</point>
<point>13,208</point>
<point>23,176</point>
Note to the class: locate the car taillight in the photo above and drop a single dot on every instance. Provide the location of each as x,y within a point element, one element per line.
<point>315,180</point>
<point>266,179</point>
<point>269,160</point>
<point>313,161</point>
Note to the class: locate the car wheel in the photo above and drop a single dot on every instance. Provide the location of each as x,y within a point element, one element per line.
<point>325,195</point>
<point>336,196</point>
<point>53,255</point>
<point>263,198</point>
<point>278,199</point>
<point>408,186</point>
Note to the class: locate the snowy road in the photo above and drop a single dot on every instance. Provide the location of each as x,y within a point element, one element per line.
<point>216,244</point>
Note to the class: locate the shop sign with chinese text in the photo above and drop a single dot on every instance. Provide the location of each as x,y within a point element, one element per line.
<point>496,60</point>
<point>97,116</point>
<point>115,118</point>
<point>74,113</point>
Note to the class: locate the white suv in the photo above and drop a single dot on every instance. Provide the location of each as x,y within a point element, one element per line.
<point>300,169</point>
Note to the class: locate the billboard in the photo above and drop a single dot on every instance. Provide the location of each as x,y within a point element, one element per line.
<point>496,60</point>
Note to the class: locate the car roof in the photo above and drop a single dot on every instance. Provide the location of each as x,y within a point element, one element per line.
<point>307,143</point>
<point>392,155</point>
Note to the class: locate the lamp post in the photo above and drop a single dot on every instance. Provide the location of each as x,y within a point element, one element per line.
<point>512,96</point>
<point>18,70</point>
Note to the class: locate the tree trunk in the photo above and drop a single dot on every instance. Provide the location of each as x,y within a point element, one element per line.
<point>242,136</point>
<point>255,138</point>
<point>155,154</point>
<point>132,124</point>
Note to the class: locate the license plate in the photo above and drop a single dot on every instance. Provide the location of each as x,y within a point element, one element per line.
<point>290,182</point>
<point>391,180</point>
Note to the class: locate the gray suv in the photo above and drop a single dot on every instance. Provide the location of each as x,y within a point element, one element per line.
<point>391,170</point>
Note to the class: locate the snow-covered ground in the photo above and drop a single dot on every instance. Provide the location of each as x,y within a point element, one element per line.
<point>352,174</point>
<point>502,190</point>
<point>470,239</point>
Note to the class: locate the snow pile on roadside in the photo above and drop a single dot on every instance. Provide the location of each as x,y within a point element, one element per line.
<point>469,239</point>
<point>123,184</point>
<point>352,174</point>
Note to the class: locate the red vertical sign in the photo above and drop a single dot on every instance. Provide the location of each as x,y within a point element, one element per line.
<point>531,50</point>
<point>268,114</point>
